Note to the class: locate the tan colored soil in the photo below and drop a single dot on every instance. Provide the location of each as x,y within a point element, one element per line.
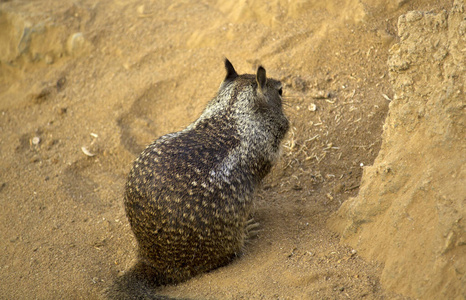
<point>411,210</point>
<point>111,76</point>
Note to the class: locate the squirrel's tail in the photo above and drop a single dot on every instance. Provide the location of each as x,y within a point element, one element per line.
<point>139,282</point>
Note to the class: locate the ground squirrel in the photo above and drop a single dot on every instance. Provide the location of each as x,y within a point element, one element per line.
<point>189,194</point>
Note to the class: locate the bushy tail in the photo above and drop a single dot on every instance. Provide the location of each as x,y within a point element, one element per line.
<point>140,282</point>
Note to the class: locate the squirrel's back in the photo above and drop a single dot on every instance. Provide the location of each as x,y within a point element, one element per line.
<point>189,194</point>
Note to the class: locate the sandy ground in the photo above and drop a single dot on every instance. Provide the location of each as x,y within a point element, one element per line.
<point>111,76</point>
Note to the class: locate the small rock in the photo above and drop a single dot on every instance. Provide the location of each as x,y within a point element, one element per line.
<point>86,151</point>
<point>141,9</point>
<point>76,43</point>
<point>413,16</point>
<point>319,94</point>
<point>35,140</point>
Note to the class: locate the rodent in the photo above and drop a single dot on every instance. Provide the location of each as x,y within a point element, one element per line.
<point>189,194</point>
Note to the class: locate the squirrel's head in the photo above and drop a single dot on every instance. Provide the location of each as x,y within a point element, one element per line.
<point>255,96</point>
<point>267,92</point>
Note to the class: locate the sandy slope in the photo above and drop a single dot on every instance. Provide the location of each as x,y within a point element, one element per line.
<point>410,211</point>
<point>113,75</point>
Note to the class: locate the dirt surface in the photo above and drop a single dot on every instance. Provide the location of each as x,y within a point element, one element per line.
<point>85,85</point>
<point>410,212</point>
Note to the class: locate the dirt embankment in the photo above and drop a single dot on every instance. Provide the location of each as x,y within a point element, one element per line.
<point>410,213</point>
<point>111,76</point>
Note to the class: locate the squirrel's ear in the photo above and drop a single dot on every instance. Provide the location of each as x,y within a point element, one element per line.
<point>231,73</point>
<point>261,77</point>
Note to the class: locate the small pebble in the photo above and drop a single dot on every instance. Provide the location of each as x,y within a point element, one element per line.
<point>76,43</point>
<point>413,16</point>
<point>141,9</point>
<point>319,94</point>
<point>35,140</point>
<point>86,151</point>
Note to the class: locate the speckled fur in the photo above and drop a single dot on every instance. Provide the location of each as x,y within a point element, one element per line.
<point>189,194</point>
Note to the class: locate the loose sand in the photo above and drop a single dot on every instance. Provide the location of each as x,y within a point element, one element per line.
<point>111,76</point>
